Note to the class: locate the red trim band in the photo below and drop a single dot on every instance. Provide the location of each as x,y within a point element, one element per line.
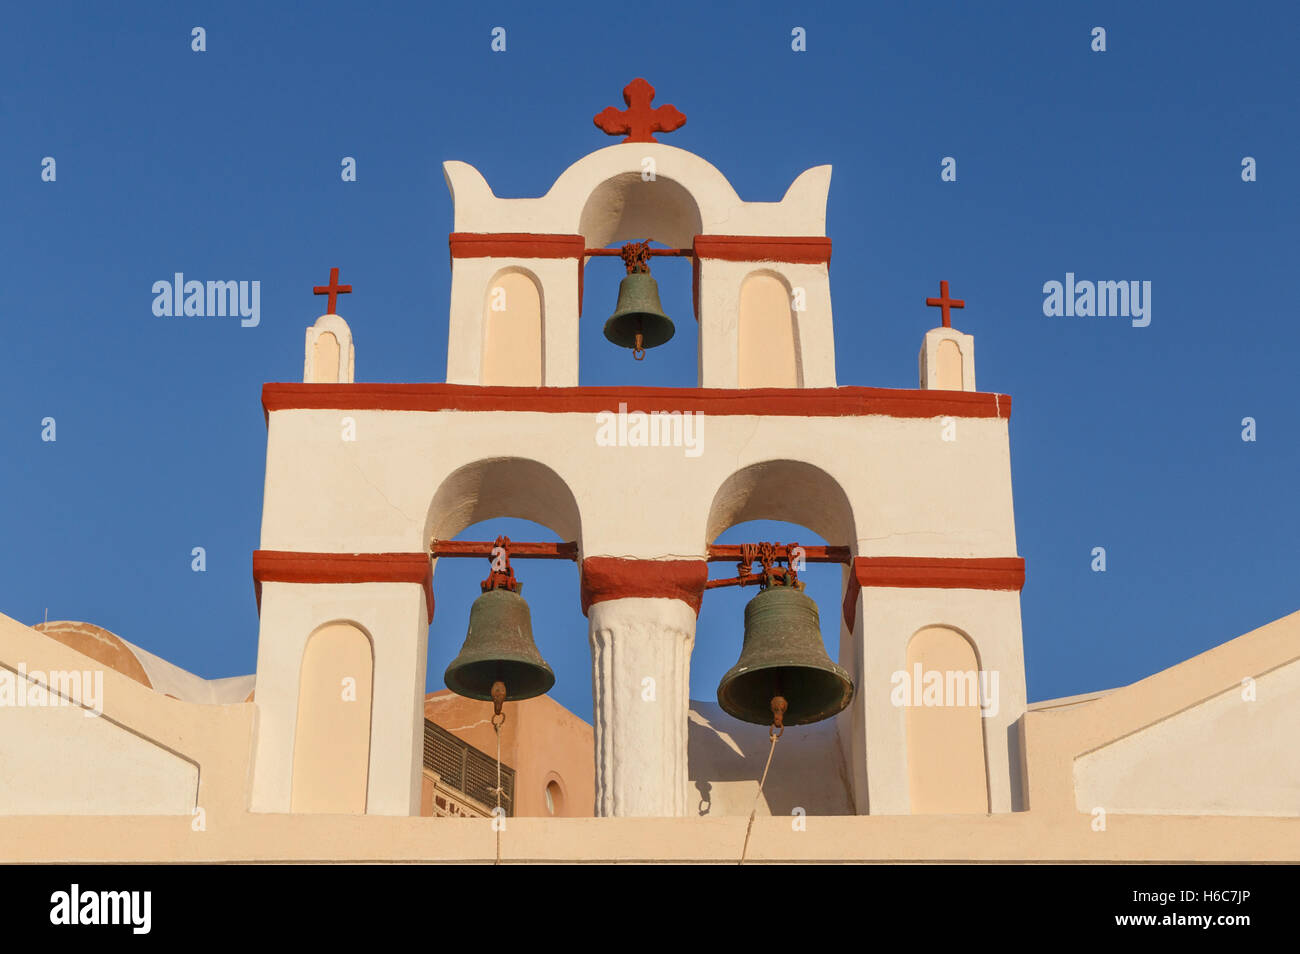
<point>520,245</point>
<point>797,249</point>
<point>515,245</point>
<point>613,578</point>
<point>802,250</point>
<point>775,402</point>
<point>940,573</point>
<point>290,566</point>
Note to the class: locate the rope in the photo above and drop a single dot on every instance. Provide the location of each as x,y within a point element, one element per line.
<point>763,781</point>
<point>496,818</point>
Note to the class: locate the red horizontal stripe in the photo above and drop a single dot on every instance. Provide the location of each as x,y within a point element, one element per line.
<point>787,402</point>
<point>808,250</point>
<point>289,566</point>
<point>943,573</point>
<point>614,578</point>
<point>515,245</point>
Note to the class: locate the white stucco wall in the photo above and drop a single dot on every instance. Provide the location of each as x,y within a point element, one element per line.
<point>874,729</point>
<point>727,757</point>
<point>930,361</point>
<point>395,617</point>
<point>1229,755</point>
<point>715,209</point>
<point>56,761</point>
<point>910,492</point>
<point>884,486</point>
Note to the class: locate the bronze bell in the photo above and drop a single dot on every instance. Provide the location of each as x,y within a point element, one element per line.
<point>639,321</point>
<point>783,655</point>
<point>499,647</point>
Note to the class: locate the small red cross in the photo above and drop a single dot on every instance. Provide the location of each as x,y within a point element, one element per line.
<point>333,289</point>
<point>639,121</point>
<point>944,302</point>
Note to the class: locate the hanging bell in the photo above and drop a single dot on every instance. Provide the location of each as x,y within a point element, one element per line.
<point>499,647</point>
<point>783,655</point>
<point>638,321</point>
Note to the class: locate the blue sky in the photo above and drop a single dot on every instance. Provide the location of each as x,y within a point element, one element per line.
<point>1122,165</point>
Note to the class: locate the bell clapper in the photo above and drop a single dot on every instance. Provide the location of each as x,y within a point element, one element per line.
<point>638,350</point>
<point>498,700</point>
<point>777,729</point>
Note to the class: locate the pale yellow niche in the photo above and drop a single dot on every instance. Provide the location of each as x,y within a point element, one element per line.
<point>331,750</point>
<point>767,334</point>
<point>949,377</point>
<point>325,363</point>
<point>945,742</point>
<point>512,336</point>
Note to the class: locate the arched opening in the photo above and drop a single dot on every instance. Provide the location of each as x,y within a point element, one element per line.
<point>549,735</point>
<point>780,501</point>
<point>726,756</point>
<point>503,487</point>
<point>543,737</point>
<point>632,205</point>
<point>787,490</point>
<point>331,752</point>
<point>941,690</point>
<point>629,207</point>
<point>767,333</point>
<point>513,323</point>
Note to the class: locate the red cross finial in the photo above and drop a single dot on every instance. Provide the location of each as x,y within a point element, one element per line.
<point>639,121</point>
<point>333,289</point>
<point>944,302</point>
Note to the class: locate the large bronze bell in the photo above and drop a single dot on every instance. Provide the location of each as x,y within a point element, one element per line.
<point>499,647</point>
<point>783,655</point>
<point>638,321</point>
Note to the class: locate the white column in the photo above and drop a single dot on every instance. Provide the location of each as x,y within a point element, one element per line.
<point>641,666</point>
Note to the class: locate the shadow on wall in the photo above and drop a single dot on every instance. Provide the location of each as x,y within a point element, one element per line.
<point>725,759</point>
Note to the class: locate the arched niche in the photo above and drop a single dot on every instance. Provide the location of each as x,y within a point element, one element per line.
<point>940,688</point>
<point>767,333</point>
<point>513,323</point>
<point>330,356</point>
<point>325,361</point>
<point>949,377</point>
<point>331,750</point>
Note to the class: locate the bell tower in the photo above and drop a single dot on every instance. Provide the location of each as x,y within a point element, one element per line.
<point>369,485</point>
<point>761,269</point>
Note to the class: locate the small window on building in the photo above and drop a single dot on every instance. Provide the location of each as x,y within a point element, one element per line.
<point>554,797</point>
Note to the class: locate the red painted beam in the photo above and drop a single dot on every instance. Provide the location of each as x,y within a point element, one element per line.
<point>673,252</point>
<point>518,549</point>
